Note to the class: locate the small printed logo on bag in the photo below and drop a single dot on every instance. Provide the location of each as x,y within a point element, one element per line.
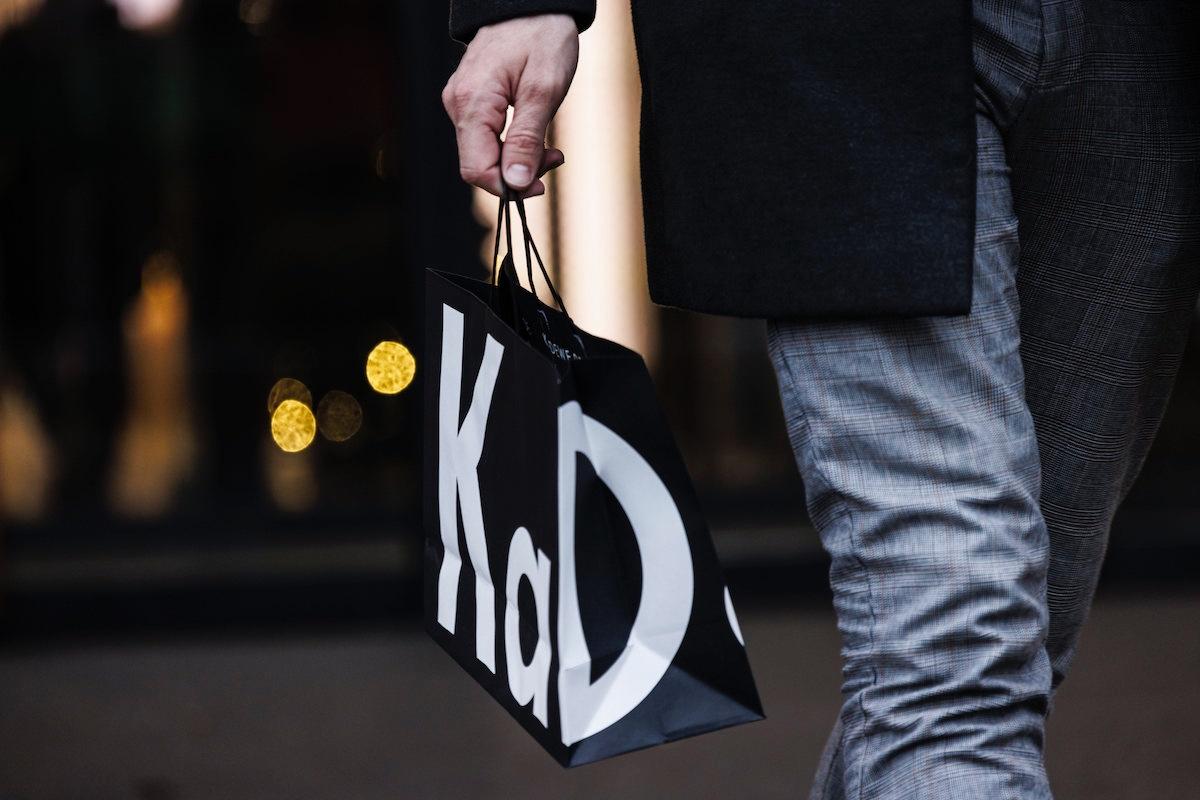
<point>553,348</point>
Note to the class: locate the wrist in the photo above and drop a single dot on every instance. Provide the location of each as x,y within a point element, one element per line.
<point>467,17</point>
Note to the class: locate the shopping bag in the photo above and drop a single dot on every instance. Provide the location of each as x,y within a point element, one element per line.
<point>568,568</point>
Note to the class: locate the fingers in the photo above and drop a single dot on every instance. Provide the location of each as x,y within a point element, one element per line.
<point>477,127</point>
<point>478,116</point>
<point>553,158</point>
<point>527,62</point>
<point>524,149</point>
<point>536,189</point>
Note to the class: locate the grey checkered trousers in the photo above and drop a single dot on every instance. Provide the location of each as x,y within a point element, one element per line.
<point>963,472</point>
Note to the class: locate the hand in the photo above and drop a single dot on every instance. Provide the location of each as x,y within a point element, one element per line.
<point>528,63</point>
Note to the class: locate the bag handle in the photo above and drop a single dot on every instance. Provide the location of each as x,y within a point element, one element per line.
<point>504,218</point>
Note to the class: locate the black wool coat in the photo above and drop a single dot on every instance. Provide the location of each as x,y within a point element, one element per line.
<point>800,158</point>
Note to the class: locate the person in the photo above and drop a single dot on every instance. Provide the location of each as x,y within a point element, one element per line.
<point>974,232</point>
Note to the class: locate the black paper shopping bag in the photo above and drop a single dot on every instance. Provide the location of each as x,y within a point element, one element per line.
<point>568,568</point>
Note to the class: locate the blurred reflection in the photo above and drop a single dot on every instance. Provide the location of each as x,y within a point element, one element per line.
<point>80,211</point>
<point>390,367</point>
<point>291,479</point>
<point>255,12</point>
<point>293,426</point>
<point>14,12</point>
<point>26,459</point>
<point>156,448</point>
<point>148,16</point>
<point>339,416</point>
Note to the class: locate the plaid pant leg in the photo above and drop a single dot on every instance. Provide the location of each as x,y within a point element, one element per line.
<point>1106,187</point>
<point>920,462</point>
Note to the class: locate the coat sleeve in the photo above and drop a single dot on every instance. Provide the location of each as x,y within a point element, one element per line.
<point>468,16</point>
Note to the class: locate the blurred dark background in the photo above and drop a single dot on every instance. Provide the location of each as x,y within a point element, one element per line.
<point>200,199</point>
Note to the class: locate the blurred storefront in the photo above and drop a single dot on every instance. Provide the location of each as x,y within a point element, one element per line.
<point>197,200</point>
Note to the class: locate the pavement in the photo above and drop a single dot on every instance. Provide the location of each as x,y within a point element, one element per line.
<point>384,714</point>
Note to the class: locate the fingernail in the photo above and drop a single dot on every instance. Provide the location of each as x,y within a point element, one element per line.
<point>517,174</point>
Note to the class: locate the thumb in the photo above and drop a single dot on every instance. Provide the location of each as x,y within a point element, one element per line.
<point>524,144</point>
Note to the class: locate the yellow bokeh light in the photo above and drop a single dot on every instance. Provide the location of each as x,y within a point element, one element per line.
<point>293,426</point>
<point>288,389</point>
<point>390,367</point>
<point>339,416</point>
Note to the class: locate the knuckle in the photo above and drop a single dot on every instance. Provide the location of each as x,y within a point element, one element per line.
<point>524,141</point>
<point>458,96</point>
